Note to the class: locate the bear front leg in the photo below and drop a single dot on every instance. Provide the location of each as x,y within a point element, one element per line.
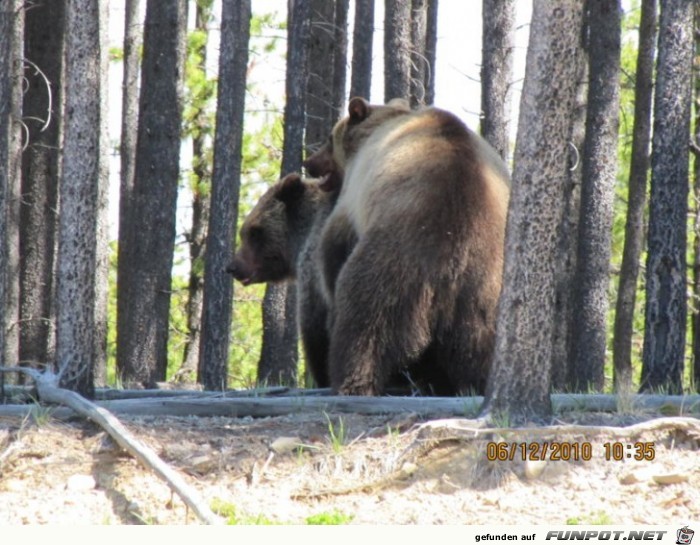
<point>382,315</point>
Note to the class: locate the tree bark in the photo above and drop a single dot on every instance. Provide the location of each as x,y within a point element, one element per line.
<point>498,42</point>
<point>696,188</point>
<point>102,243</point>
<point>82,183</point>
<point>397,49</point>
<point>636,200</point>
<point>568,228</point>
<point>280,351</point>
<point>41,105</point>
<point>340,56</point>
<point>363,32</point>
<point>419,69</point>
<point>666,304</point>
<point>143,301</point>
<point>320,92</point>
<point>11,30</point>
<point>430,51</point>
<point>133,41</point>
<point>225,188</point>
<point>592,278</point>
<point>519,384</point>
<point>201,204</point>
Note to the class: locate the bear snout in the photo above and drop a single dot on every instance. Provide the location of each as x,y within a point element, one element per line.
<point>238,269</point>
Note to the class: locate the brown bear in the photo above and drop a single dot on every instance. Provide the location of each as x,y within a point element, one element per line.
<point>279,240</point>
<point>412,253</point>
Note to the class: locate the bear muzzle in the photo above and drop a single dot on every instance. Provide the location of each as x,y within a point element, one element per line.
<point>238,269</point>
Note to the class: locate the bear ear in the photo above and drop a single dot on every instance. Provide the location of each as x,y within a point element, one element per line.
<point>291,187</point>
<point>358,109</point>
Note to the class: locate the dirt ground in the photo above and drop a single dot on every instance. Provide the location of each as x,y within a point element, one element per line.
<point>350,469</point>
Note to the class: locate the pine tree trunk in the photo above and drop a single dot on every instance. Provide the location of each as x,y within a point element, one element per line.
<point>320,94</point>
<point>82,175</point>
<point>419,69</point>
<point>225,187</point>
<point>11,70</point>
<point>519,384</point>
<point>397,49</point>
<point>280,352</point>
<point>666,304</point>
<point>568,228</point>
<point>430,50</point>
<point>133,41</point>
<point>498,42</point>
<point>340,56</point>
<point>592,278</point>
<point>696,188</point>
<point>363,32</point>
<point>636,200</point>
<point>43,48</point>
<point>143,300</point>
<point>201,204</point>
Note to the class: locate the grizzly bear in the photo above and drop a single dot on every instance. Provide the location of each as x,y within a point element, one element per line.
<point>279,240</point>
<point>412,253</point>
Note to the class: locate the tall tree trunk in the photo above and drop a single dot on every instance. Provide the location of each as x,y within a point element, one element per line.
<point>666,305</point>
<point>133,41</point>
<point>320,94</point>
<point>43,49</point>
<point>363,32</point>
<point>519,383</point>
<point>592,278</point>
<point>431,27</point>
<point>696,187</point>
<point>201,204</point>
<point>397,49</point>
<point>13,198</point>
<point>340,56</point>
<point>568,228</point>
<point>636,200</point>
<point>419,68</point>
<point>103,251</point>
<point>225,187</point>
<point>11,30</point>
<point>83,173</point>
<point>280,351</point>
<point>143,300</point>
<point>497,45</point>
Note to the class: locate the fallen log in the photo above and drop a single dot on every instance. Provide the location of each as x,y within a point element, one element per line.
<point>424,406</point>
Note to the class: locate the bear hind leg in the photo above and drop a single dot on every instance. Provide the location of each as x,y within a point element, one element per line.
<point>382,314</point>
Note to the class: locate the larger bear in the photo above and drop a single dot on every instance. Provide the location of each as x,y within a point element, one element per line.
<point>412,253</point>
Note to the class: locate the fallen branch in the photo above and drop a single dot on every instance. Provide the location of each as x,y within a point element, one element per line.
<point>49,391</point>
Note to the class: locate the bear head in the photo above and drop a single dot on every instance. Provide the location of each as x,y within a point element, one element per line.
<point>329,161</point>
<point>265,253</point>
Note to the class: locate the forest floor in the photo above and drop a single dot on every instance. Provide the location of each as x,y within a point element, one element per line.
<point>318,468</point>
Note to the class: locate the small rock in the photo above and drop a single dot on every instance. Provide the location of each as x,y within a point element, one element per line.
<point>534,468</point>
<point>81,483</point>
<point>282,445</point>
<point>670,478</point>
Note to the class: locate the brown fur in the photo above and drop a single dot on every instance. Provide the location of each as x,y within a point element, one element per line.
<point>279,242</point>
<point>412,253</point>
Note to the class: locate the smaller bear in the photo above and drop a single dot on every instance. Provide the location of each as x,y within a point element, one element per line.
<point>279,238</point>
